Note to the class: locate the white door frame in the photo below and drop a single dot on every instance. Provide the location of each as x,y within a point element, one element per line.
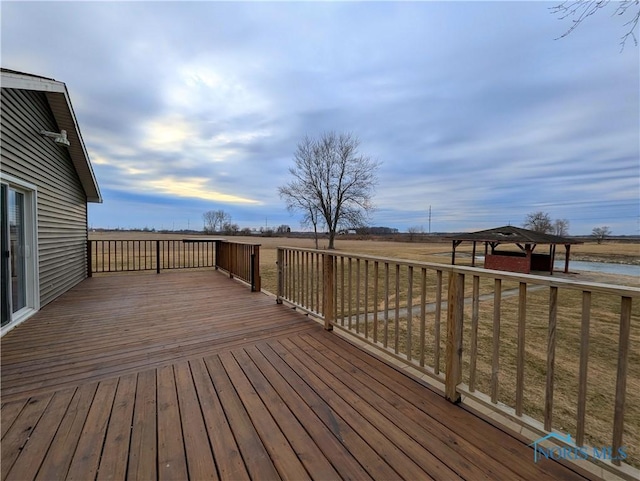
<point>32,293</point>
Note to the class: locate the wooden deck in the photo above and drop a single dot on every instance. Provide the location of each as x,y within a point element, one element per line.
<point>190,376</point>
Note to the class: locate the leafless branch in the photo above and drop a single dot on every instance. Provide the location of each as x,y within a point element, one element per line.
<point>579,10</point>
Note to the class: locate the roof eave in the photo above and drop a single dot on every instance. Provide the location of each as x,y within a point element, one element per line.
<point>60,103</point>
<point>516,235</point>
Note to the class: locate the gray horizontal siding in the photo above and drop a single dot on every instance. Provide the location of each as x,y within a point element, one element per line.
<point>62,206</point>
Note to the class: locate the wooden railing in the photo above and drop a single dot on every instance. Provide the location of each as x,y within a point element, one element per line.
<point>239,260</point>
<point>149,255</point>
<point>517,344</point>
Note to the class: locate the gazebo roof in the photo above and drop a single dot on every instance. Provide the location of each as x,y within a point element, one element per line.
<point>511,234</point>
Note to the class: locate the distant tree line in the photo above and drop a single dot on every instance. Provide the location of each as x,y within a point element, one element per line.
<point>376,230</point>
<point>219,222</point>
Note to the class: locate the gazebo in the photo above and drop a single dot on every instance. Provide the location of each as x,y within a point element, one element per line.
<point>524,261</point>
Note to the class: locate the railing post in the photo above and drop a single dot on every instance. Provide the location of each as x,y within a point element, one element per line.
<point>89,259</point>
<point>455,316</point>
<point>255,270</point>
<point>328,291</point>
<point>621,377</point>
<point>157,257</point>
<point>280,264</point>
<point>217,254</point>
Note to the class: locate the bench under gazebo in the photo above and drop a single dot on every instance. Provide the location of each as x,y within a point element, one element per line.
<point>523,261</point>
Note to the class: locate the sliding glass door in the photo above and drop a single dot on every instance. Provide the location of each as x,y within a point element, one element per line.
<point>6,256</point>
<point>18,256</point>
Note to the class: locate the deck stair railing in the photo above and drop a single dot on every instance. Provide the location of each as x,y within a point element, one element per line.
<point>546,353</point>
<point>239,260</point>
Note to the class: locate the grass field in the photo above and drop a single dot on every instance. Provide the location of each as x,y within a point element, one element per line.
<point>603,332</point>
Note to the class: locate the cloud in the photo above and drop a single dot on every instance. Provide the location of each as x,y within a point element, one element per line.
<point>191,187</point>
<point>472,107</point>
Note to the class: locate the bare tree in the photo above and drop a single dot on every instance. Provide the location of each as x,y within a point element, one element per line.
<point>601,233</point>
<point>579,10</point>
<point>415,231</point>
<point>539,222</point>
<point>561,227</point>
<point>331,179</point>
<point>312,218</point>
<point>214,220</point>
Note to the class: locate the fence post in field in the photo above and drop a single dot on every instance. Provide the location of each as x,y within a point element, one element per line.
<point>280,263</point>
<point>328,292</point>
<point>255,270</point>
<point>89,259</point>
<point>157,257</point>
<point>455,316</point>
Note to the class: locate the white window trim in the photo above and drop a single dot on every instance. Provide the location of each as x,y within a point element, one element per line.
<point>31,234</point>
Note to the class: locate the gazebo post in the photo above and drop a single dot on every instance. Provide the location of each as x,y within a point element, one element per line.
<point>528,252</point>
<point>567,248</point>
<point>455,243</point>
<point>473,255</point>
<point>553,257</point>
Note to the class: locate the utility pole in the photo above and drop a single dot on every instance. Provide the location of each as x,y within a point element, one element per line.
<point>429,219</point>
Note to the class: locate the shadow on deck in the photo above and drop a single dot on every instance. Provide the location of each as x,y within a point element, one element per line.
<point>190,376</point>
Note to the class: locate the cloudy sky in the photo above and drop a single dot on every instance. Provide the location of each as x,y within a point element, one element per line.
<point>472,108</point>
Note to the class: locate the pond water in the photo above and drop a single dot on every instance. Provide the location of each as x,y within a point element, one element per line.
<point>606,267</point>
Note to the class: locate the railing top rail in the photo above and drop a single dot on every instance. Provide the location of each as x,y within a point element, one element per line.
<point>625,291</point>
<point>202,239</point>
<point>227,241</point>
<point>129,240</point>
<point>187,240</point>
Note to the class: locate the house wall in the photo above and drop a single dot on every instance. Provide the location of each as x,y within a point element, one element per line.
<point>61,200</point>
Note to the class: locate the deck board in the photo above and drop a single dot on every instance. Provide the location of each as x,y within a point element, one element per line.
<point>112,325</point>
<point>398,414</point>
<point>191,376</point>
<point>196,442</point>
<point>143,451</point>
<point>57,460</point>
<point>113,462</point>
<point>398,451</point>
<point>301,442</point>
